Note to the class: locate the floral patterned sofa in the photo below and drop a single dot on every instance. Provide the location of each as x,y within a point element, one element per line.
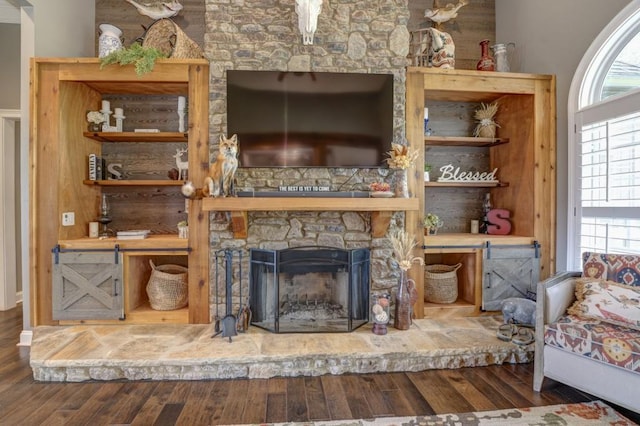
<point>588,329</point>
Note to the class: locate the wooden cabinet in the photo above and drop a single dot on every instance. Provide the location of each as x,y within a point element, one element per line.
<point>87,285</point>
<point>524,153</point>
<point>62,91</point>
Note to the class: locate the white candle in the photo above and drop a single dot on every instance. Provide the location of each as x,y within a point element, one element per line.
<point>119,112</point>
<point>93,230</point>
<point>182,101</point>
<point>106,105</point>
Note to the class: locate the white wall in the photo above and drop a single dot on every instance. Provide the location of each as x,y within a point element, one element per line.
<point>10,69</point>
<point>60,28</point>
<point>551,37</point>
<point>64,28</point>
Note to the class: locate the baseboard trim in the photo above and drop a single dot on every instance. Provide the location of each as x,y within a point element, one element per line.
<point>25,338</point>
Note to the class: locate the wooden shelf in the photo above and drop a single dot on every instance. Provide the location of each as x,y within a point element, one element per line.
<point>167,241</point>
<point>144,314</point>
<point>454,242</point>
<point>137,136</point>
<point>381,208</point>
<point>141,182</point>
<point>463,141</point>
<point>466,184</point>
<point>308,204</point>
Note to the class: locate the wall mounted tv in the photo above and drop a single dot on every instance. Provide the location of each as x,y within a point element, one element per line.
<point>310,119</point>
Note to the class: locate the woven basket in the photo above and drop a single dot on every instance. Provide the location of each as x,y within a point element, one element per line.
<point>441,283</point>
<point>169,39</point>
<point>167,287</point>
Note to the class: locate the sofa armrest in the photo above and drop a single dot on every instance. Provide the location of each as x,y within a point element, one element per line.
<point>554,296</point>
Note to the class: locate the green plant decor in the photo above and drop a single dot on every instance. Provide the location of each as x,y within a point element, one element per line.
<point>144,58</point>
<point>432,221</point>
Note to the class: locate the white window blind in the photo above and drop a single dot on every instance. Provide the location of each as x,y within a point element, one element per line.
<point>610,177</point>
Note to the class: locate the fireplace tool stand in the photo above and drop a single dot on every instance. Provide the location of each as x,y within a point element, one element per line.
<point>230,324</point>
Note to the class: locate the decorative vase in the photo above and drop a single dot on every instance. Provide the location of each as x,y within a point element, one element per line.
<point>402,184</point>
<point>94,127</point>
<point>380,310</point>
<point>109,40</point>
<point>486,62</point>
<point>405,298</point>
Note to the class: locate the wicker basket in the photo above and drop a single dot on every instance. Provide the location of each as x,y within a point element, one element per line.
<point>167,287</point>
<point>169,39</point>
<point>441,283</point>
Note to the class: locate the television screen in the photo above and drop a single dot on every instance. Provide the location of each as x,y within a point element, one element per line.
<point>310,119</point>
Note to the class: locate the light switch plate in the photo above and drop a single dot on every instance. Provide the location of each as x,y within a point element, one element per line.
<point>68,219</point>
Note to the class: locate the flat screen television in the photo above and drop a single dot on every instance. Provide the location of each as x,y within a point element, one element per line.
<point>310,119</point>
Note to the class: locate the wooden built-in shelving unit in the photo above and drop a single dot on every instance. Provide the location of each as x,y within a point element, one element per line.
<point>62,91</point>
<point>523,151</point>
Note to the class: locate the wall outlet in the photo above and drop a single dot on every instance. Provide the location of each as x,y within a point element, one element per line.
<point>68,219</point>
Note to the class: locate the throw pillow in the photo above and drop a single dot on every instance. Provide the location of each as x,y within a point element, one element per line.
<point>607,301</point>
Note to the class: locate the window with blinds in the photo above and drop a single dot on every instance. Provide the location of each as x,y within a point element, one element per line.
<point>604,143</point>
<point>610,184</point>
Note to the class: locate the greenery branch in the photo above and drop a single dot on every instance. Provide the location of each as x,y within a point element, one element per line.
<point>144,58</point>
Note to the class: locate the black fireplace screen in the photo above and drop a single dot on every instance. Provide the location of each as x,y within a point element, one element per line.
<point>309,289</point>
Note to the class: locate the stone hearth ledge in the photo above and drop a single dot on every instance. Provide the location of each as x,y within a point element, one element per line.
<point>187,352</point>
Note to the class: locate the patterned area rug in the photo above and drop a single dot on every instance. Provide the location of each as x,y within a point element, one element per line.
<point>583,414</point>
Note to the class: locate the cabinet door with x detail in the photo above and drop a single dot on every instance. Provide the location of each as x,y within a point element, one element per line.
<point>87,286</point>
<point>508,272</point>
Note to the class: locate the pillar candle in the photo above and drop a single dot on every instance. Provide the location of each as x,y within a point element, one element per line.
<point>182,101</point>
<point>106,106</point>
<point>119,112</point>
<point>93,230</point>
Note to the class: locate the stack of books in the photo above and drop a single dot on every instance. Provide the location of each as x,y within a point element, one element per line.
<point>139,234</point>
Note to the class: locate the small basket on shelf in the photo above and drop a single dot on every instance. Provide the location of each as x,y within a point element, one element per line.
<point>441,283</point>
<point>167,287</point>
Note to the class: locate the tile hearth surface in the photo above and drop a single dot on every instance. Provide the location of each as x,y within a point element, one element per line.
<point>187,352</point>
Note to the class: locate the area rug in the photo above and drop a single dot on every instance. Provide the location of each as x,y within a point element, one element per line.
<point>582,414</point>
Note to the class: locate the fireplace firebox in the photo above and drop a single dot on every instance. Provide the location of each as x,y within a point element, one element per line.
<point>309,289</point>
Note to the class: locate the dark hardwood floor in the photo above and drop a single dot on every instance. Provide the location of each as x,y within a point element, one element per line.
<point>24,401</point>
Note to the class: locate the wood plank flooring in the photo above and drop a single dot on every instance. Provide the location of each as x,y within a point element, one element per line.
<point>24,401</point>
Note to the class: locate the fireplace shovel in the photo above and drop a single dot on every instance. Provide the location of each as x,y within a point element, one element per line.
<point>229,322</point>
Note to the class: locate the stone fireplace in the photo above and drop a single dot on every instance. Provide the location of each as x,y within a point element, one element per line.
<point>309,289</point>
<point>350,38</point>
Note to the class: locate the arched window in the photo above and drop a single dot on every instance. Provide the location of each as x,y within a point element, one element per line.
<point>604,145</point>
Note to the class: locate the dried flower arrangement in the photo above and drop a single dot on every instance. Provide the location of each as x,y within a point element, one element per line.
<point>401,156</point>
<point>403,244</point>
<point>486,127</point>
<point>95,117</point>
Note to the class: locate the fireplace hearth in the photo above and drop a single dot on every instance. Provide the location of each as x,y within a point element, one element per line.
<point>309,289</point>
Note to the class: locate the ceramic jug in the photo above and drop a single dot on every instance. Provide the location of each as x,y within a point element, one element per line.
<point>502,53</point>
<point>109,40</point>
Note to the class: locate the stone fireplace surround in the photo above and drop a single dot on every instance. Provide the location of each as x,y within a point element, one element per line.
<point>264,36</point>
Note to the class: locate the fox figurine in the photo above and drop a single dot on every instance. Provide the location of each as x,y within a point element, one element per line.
<point>221,179</point>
